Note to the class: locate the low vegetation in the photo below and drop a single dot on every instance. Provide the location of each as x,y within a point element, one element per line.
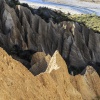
<point>91,21</point>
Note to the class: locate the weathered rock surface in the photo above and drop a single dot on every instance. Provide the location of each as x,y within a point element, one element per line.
<point>22,34</point>
<point>41,65</point>
<point>37,57</point>
<point>78,45</point>
<point>16,82</point>
<point>87,84</point>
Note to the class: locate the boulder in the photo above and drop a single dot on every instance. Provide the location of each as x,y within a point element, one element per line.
<point>37,57</point>
<point>40,65</point>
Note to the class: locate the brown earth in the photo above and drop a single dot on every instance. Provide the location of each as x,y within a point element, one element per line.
<point>32,41</point>
<point>17,83</point>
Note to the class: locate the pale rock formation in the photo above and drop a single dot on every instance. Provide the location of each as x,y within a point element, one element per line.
<point>16,82</point>
<point>78,45</point>
<point>59,73</point>
<point>87,84</point>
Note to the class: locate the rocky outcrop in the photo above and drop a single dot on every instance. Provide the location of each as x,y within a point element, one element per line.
<point>16,82</point>
<point>41,65</point>
<point>88,82</point>
<point>32,41</point>
<point>23,34</point>
<point>37,57</point>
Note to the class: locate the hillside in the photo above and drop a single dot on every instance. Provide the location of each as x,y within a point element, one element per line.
<point>91,21</point>
<point>23,34</point>
<point>16,82</point>
<point>45,55</point>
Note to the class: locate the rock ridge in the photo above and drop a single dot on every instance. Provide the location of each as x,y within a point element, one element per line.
<point>23,34</point>
<point>16,82</point>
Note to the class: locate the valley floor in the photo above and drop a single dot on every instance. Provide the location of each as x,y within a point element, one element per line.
<point>73,7</point>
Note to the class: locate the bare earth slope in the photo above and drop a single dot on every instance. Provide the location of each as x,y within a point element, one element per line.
<point>16,82</point>
<point>32,41</point>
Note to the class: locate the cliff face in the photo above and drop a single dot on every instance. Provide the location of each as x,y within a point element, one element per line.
<point>22,34</point>
<point>16,82</point>
<point>45,48</point>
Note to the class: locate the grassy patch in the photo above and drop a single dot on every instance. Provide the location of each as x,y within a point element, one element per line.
<point>91,21</point>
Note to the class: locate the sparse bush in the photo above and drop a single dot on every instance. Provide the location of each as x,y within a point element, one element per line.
<point>91,21</point>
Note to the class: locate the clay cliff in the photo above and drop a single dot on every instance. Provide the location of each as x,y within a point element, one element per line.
<point>22,34</point>
<point>16,82</point>
<point>46,61</point>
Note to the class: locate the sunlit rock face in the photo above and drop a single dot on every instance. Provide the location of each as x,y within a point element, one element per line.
<point>55,83</point>
<point>22,34</point>
<point>50,51</point>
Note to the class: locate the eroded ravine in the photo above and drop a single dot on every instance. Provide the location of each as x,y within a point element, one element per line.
<point>48,50</point>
